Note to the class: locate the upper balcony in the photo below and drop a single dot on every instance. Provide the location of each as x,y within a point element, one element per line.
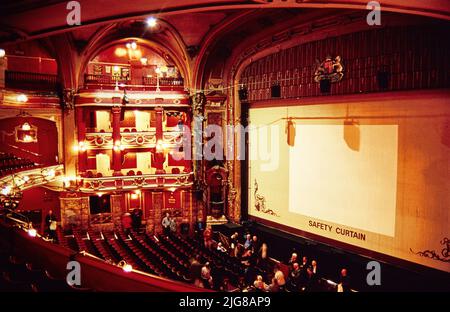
<point>108,82</point>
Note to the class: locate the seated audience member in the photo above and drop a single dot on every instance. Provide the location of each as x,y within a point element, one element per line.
<point>126,223</point>
<point>273,287</point>
<point>344,282</point>
<point>259,283</point>
<point>221,248</point>
<point>280,277</point>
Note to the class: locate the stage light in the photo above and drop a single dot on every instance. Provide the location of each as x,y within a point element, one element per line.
<point>125,266</point>
<point>22,98</point>
<point>134,45</point>
<point>26,179</point>
<point>151,22</point>
<point>2,53</point>
<point>32,232</point>
<point>144,60</point>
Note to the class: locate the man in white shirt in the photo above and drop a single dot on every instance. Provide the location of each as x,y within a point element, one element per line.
<point>166,224</point>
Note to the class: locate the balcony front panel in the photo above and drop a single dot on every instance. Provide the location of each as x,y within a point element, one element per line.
<point>127,183</point>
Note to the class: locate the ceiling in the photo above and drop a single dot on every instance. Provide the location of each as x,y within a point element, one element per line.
<point>30,19</point>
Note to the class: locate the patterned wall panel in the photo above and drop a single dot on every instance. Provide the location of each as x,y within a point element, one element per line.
<point>412,57</point>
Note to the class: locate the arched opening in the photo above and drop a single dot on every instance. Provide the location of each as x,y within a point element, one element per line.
<point>132,63</point>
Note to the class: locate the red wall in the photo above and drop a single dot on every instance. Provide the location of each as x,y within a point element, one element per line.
<point>32,65</point>
<point>40,198</point>
<point>44,151</point>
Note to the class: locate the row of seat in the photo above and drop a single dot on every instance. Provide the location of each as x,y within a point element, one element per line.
<point>19,276</point>
<point>10,164</point>
<point>165,256</point>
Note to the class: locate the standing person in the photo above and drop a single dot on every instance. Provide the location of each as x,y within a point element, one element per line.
<point>206,275</point>
<point>234,244</point>
<point>51,225</point>
<point>166,224</point>
<point>173,225</point>
<point>344,282</point>
<point>207,237</point>
<point>137,219</point>
<point>248,241</point>
<point>280,278</point>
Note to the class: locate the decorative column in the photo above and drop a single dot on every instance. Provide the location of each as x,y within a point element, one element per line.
<point>82,153</point>
<point>188,161</point>
<point>117,152</point>
<point>159,151</point>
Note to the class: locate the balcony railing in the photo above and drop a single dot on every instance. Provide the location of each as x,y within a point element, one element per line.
<point>108,82</point>
<point>144,181</point>
<point>145,139</point>
<point>31,81</point>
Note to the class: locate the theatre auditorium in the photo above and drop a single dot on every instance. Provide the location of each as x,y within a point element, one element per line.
<point>258,146</point>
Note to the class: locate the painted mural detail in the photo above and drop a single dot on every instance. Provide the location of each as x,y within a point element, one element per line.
<point>445,252</point>
<point>260,202</point>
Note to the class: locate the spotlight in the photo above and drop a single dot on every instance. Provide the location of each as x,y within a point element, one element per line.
<point>2,53</point>
<point>151,22</point>
<point>133,45</point>
<point>26,178</point>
